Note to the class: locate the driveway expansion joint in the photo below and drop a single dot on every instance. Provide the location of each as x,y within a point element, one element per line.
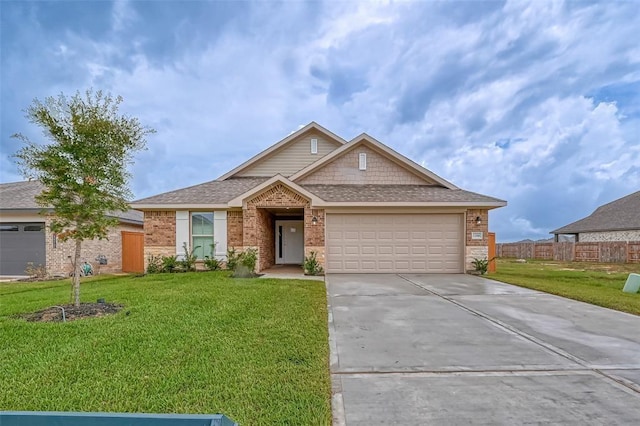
<point>526,336</point>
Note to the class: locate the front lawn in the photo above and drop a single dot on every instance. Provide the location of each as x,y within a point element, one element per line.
<point>253,349</point>
<point>597,283</point>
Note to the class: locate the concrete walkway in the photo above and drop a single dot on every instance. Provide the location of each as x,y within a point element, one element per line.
<point>460,349</point>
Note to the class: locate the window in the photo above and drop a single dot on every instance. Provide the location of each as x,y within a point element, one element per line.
<point>362,161</point>
<point>202,234</point>
<point>314,146</point>
<point>33,228</point>
<point>10,228</point>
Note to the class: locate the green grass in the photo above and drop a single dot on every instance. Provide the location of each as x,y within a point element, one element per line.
<point>253,349</point>
<point>596,283</point>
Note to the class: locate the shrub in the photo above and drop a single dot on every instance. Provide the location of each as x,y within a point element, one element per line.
<point>188,263</point>
<point>35,271</point>
<point>248,259</point>
<point>311,265</point>
<point>242,264</point>
<point>481,265</point>
<point>154,264</point>
<point>211,263</point>
<point>232,258</point>
<point>170,263</point>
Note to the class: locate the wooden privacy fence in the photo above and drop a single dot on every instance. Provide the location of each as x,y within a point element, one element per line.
<point>132,251</point>
<point>606,252</point>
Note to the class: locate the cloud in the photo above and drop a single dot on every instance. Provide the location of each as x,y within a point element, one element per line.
<point>533,102</point>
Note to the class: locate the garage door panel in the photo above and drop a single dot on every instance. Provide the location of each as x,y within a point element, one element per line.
<point>395,243</point>
<point>402,250</point>
<point>21,243</point>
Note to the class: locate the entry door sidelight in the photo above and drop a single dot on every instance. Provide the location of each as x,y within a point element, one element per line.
<point>290,242</point>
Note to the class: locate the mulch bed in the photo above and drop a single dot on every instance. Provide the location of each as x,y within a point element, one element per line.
<point>86,310</point>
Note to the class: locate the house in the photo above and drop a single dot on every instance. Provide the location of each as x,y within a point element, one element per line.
<point>359,205</point>
<point>618,220</point>
<point>25,238</point>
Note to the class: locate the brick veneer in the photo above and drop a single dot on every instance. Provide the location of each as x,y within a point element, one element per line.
<point>59,254</point>
<point>266,239</point>
<point>234,229</point>
<point>476,249</point>
<point>314,234</point>
<point>259,225</point>
<point>159,234</point>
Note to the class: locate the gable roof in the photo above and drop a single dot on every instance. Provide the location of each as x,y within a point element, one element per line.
<point>367,140</point>
<point>406,194</point>
<point>215,193</point>
<point>292,137</point>
<point>618,215</point>
<point>22,196</point>
<point>238,201</point>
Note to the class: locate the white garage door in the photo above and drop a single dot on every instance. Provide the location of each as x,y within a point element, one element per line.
<point>361,243</point>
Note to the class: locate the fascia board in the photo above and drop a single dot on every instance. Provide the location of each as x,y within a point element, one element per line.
<point>152,207</point>
<point>488,205</point>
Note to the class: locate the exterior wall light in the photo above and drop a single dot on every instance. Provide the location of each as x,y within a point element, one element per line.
<point>314,220</point>
<point>478,220</point>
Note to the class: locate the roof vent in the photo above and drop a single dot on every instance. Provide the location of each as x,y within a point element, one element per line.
<point>362,161</point>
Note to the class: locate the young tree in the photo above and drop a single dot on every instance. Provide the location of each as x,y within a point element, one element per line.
<point>84,166</point>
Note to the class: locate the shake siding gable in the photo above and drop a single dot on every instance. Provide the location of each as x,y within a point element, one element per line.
<point>294,156</point>
<point>379,171</point>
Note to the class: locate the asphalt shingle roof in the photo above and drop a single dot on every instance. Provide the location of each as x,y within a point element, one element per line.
<point>21,196</point>
<point>618,215</point>
<point>395,193</point>
<point>214,192</point>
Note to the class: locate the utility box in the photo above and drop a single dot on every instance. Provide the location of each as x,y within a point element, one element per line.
<point>55,418</point>
<point>633,284</point>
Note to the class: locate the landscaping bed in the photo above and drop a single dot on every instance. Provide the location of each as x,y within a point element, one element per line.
<point>255,350</point>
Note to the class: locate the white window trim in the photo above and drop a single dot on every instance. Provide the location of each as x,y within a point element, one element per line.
<point>362,161</point>
<point>192,235</point>
<point>314,145</point>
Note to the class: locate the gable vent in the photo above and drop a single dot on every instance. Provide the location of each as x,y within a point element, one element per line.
<point>314,146</point>
<point>362,161</point>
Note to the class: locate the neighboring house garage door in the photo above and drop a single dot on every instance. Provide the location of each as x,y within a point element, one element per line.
<point>21,243</point>
<point>394,243</point>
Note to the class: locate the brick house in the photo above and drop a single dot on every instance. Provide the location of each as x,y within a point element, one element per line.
<point>25,237</point>
<point>618,220</point>
<point>361,206</point>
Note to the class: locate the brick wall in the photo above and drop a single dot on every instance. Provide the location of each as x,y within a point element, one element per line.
<point>476,249</point>
<point>380,170</point>
<point>265,239</point>
<point>258,229</point>
<point>234,229</point>
<point>314,234</point>
<point>611,236</point>
<point>159,234</point>
<point>59,254</point>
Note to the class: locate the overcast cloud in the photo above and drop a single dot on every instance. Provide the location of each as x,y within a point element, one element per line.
<point>537,103</point>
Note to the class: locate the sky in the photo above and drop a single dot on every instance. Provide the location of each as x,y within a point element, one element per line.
<point>533,102</point>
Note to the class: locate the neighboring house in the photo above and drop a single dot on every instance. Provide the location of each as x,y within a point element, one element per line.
<point>618,220</point>
<point>25,237</point>
<point>361,206</point>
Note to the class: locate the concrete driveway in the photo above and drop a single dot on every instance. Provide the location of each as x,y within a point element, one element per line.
<point>460,349</point>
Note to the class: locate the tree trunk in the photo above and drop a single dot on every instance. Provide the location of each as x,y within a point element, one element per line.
<point>76,275</point>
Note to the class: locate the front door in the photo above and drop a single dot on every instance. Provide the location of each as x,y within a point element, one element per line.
<point>289,242</point>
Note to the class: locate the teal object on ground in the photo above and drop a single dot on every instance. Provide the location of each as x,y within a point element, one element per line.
<point>633,284</point>
<point>56,418</point>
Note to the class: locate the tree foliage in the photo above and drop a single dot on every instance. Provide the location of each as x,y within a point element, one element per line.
<point>83,167</point>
